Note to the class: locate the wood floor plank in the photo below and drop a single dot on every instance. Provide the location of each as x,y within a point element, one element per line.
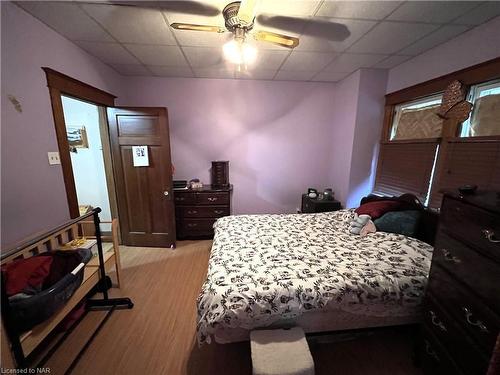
<point>158,335</point>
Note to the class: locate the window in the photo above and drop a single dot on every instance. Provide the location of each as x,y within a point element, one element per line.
<point>485,117</point>
<point>417,119</point>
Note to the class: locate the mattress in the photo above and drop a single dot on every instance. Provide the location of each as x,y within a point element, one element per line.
<point>268,269</point>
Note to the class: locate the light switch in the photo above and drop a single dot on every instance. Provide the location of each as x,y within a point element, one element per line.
<point>53,158</point>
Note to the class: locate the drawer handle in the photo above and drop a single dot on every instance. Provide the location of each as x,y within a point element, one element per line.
<point>430,351</point>
<point>192,212</point>
<point>218,212</point>
<point>474,322</point>
<point>490,236</point>
<point>179,198</point>
<point>192,225</point>
<point>437,322</point>
<point>212,199</point>
<point>449,257</point>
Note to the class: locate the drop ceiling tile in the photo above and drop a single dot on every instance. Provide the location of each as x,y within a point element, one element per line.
<point>391,62</point>
<point>348,62</point>
<point>301,8</point>
<point>348,32</point>
<point>431,11</point>
<point>270,59</point>
<point>68,19</point>
<point>439,36</point>
<point>131,70</point>
<point>329,77</point>
<point>255,74</point>
<point>202,39</point>
<point>298,61</point>
<point>132,24</point>
<point>480,14</point>
<point>111,53</point>
<point>214,73</point>
<point>295,76</point>
<point>204,57</point>
<point>170,71</point>
<point>370,10</point>
<point>390,37</point>
<point>157,55</point>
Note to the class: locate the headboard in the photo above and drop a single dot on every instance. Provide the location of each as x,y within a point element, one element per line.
<point>427,226</point>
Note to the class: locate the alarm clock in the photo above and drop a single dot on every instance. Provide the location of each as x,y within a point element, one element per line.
<point>312,193</point>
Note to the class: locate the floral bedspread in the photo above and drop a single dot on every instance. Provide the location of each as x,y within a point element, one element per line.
<point>264,268</point>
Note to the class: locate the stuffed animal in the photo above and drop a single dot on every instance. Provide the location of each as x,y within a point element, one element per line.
<point>362,225</point>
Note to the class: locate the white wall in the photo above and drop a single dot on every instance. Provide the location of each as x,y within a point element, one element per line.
<point>473,47</point>
<point>88,163</point>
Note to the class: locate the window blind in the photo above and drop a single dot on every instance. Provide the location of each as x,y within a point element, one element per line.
<point>418,123</point>
<point>486,116</point>
<point>467,162</point>
<point>405,168</point>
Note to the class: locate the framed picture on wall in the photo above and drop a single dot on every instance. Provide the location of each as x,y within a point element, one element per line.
<point>77,137</point>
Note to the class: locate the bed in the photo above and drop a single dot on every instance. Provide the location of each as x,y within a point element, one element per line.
<point>308,270</point>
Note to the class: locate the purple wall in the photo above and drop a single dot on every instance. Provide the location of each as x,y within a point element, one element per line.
<point>357,125</point>
<point>473,47</point>
<point>368,129</point>
<point>32,192</point>
<point>342,135</point>
<point>276,135</point>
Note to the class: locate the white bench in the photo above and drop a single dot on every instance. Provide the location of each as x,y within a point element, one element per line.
<point>281,352</point>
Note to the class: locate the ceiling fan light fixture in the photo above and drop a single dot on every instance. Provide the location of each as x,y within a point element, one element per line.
<point>239,52</point>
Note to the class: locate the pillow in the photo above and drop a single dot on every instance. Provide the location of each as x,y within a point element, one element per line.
<point>378,208</point>
<point>400,222</point>
<point>24,273</point>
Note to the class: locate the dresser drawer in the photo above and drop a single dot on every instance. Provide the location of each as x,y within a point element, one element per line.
<point>184,198</point>
<point>466,355</point>
<point>469,223</point>
<point>467,311</point>
<point>199,226</point>
<point>213,198</point>
<point>479,273</point>
<point>204,211</point>
<point>433,357</point>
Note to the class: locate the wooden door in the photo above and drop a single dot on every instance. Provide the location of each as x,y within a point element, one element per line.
<point>144,194</point>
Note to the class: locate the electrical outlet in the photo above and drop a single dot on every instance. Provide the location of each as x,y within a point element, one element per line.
<point>53,158</point>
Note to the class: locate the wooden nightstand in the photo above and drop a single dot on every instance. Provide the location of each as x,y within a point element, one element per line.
<point>310,205</point>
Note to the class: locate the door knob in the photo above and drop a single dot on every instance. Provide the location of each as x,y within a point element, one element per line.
<point>165,192</point>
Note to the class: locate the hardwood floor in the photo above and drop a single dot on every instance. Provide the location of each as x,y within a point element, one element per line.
<point>158,335</point>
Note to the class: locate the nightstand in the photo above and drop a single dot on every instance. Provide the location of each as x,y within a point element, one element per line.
<point>310,205</point>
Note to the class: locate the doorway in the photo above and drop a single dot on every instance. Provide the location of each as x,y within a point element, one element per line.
<point>142,191</point>
<point>88,140</point>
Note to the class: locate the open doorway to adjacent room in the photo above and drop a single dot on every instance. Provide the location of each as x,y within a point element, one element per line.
<point>89,149</point>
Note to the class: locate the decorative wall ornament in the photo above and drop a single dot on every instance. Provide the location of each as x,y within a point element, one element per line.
<point>454,106</point>
<point>15,103</point>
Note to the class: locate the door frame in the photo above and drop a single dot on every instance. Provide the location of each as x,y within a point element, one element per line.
<point>61,84</point>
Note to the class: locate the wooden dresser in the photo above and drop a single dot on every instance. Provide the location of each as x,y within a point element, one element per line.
<point>197,210</point>
<point>462,303</point>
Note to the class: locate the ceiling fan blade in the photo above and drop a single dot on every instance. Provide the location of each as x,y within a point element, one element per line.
<point>312,27</point>
<point>194,27</point>
<point>187,7</point>
<point>246,13</point>
<point>282,40</point>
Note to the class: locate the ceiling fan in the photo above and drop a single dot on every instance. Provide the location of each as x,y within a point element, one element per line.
<point>239,19</point>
